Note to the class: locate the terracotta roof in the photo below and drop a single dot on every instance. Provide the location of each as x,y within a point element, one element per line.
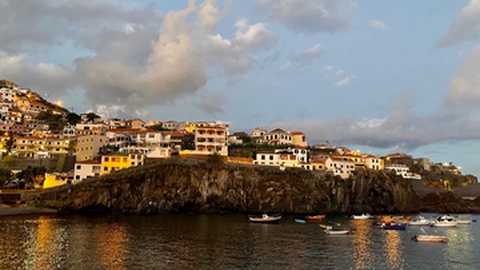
<point>297,133</point>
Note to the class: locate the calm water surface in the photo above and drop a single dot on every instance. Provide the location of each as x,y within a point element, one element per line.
<point>224,242</point>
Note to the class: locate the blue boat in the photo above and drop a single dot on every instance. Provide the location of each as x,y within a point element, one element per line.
<point>297,220</point>
<point>394,226</point>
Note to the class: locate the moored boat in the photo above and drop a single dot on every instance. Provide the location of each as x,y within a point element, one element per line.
<point>264,219</point>
<point>444,221</point>
<point>430,238</point>
<point>420,221</point>
<point>394,226</point>
<point>362,216</point>
<point>337,232</point>
<point>315,217</point>
<point>298,220</point>
<point>464,221</point>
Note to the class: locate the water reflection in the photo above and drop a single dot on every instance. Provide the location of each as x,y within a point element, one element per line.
<point>393,251</point>
<point>362,253</point>
<point>112,240</point>
<point>223,241</point>
<point>460,247</point>
<point>46,244</point>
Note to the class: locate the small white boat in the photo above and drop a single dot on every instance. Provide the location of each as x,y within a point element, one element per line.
<point>336,232</point>
<point>362,216</point>
<point>464,221</point>
<point>444,221</point>
<point>264,219</point>
<point>430,238</point>
<point>420,221</point>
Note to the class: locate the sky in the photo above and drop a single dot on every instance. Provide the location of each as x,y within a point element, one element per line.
<point>381,77</point>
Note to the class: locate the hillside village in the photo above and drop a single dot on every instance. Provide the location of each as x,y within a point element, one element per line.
<point>33,128</point>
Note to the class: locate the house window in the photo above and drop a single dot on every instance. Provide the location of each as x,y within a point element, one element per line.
<point>106,159</point>
<point>79,167</point>
<point>105,169</point>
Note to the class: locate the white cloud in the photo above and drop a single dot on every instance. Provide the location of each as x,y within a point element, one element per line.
<point>131,54</point>
<point>299,61</point>
<point>343,82</point>
<point>337,76</point>
<point>464,91</point>
<point>399,129</point>
<point>309,15</point>
<point>466,26</point>
<point>379,25</point>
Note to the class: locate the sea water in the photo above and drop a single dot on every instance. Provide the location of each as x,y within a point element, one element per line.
<point>227,241</point>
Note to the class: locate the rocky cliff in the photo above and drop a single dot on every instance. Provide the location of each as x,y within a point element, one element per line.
<point>176,186</point>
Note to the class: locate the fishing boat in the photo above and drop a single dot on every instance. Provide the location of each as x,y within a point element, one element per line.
<point>362,216</point>
<point>315,217</point>
<point>444,221</point>
<point>464,221</point>
<point>264,218</point>
<point>394,226</point>
<point>336,232</point>
<point>420,221</point>
<point>430,238</point>
<point>299,220</point>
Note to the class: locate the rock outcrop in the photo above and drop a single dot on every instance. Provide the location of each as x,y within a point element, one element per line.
<point>175,186</point>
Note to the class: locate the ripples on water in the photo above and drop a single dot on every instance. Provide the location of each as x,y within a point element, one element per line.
<point>223,242</point>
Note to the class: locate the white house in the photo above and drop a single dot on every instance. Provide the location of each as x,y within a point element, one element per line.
<point>403,171</point>
<point>85,169</point>
<point>278,136</point>
<point>342,167</point>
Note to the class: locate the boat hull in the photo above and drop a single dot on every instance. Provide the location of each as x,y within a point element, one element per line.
<point>445,225</point>
<point>398,227</point>
<point>430,238</point>
<point>419,223</point>
<point>315,218</point>
<point>340,232</point>
<point>271,220</point>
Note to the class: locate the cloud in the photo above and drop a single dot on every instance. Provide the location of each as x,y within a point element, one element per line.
<point>398,130</point>
<point>466,26</point>
<point>343,82</point>
<point>299,61</point>
<point>42,77</point>
<point>464,90</point>
<point>309,15</point>
<point>379,25</point>
<point>337,75</point>
<point>210,102</point>
<point>125,54</point>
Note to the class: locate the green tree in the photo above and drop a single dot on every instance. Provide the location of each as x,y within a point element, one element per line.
<point>5,176</point>
<point>73,118</point>
<point>188,142</point>
<point>91,116</point>
<point>215,161</point>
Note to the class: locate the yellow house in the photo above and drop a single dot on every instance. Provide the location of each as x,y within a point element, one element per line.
<point>54,180</point>
<point>114,162</point>
<point>298,139</point>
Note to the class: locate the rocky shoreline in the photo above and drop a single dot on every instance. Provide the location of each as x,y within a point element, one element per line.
<point>7,210</point>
